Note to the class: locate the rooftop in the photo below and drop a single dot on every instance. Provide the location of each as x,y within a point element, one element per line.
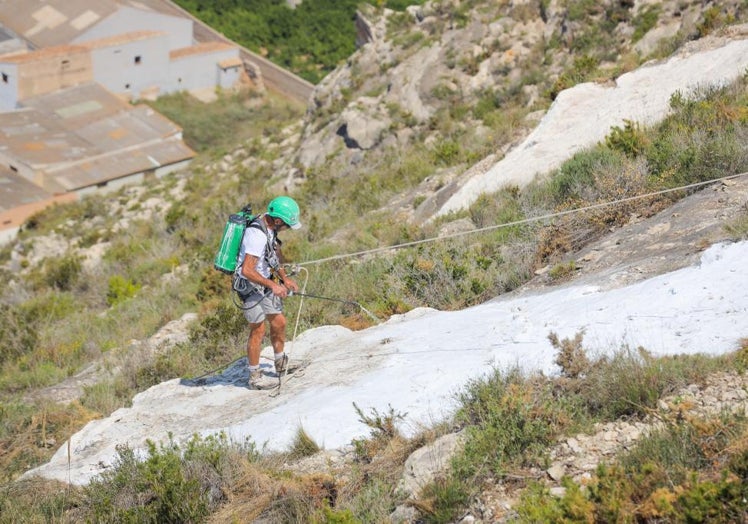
<point>16,191</point>
<point>53,22</point>
<point>199,49</point>
<point>85,135</point>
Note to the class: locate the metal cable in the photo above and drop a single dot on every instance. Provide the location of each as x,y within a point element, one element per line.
<point>518,222</point>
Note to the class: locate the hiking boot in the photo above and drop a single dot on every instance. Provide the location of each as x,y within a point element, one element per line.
<point>256,379</point>
<point>281,363</point>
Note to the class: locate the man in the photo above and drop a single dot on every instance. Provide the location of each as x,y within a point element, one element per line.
<point>259,263</point>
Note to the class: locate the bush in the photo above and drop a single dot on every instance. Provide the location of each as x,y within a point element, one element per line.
<point>17,336</point>
<point>629,382</point>
<point>168,485</point>
<point>61,273</point>
<point>510,421</point>
<point>120,289</point>
<point>629,140</point>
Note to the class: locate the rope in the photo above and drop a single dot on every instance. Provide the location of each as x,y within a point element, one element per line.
<point>520,222</point>
<point>342,301</point>
<point>301,303</point>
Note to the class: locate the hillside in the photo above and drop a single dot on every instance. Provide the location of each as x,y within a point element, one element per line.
<point>111,306</point>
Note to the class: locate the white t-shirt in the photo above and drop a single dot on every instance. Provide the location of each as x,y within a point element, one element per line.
<point>254,243</point>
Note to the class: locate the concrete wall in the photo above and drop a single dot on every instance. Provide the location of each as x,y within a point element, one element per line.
<point>200,71</point>
<point>127,19</point>
<point>230,75</point>
<point>134,67</point>
<point>46,73</point>
<point>8,86</point>
<point>133,179</point>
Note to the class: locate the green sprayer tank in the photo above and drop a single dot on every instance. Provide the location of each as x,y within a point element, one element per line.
<point>231,241</point>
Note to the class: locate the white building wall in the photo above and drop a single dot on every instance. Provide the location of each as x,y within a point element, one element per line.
<point>8,86</point>
<point>110,185</point>
<point>228,76</point>
<point>133,67</point>
<point>199,71</point>
<point>128,19</point>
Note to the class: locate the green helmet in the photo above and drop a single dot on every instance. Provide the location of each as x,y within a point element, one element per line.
<point>286,209</point>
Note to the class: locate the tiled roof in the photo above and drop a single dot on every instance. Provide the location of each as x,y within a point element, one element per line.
<point>47,23</point>
<point>124,38</point>
<point>199,49</point>
<point>84,136</point>
<point>41,54</point>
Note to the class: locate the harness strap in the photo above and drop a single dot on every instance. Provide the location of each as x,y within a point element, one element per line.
<point>241,285</point>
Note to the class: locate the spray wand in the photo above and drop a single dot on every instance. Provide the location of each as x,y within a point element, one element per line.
<point>350,302</point>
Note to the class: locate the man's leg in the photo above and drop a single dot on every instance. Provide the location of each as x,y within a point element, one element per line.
<point>254,343</point>
<point>278,340</point>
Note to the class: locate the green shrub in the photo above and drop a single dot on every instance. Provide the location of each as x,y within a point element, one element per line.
<point>629,382</point>
<point>120,289</point>
<point>105,397</point>
<point>576,177</point>
<point>157,489</point>
<point>447,152</point>
<point>581,71</point>
<point>645,20</point>
<point>18,336</point>
<point>629,140</point>
<point>219,332</point>
<point>703,138</point>
<point>510,422</point>
<point>537,504</point>
<point>62,273</point>
<point>448,498</point>
<point>383,430</point>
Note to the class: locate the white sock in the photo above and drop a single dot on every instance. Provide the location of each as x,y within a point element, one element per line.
<point>280,355</point>
<point>254,368</point>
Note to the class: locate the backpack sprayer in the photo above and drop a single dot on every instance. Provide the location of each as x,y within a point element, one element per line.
<point>231,240</point>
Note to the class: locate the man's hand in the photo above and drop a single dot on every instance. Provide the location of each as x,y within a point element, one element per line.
<point>279,290</point>
<point>291,284</point>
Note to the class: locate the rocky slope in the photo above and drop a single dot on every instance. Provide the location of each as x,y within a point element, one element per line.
<point>455,54</point>
<point>387,95</point>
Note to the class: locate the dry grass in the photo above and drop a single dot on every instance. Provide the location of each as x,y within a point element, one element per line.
<point>34,438</point>
<point>276,497</point>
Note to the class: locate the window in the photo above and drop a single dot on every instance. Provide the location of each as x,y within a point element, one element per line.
<point>14,169</point>
<point>5,78</point>
<point>138,59</point>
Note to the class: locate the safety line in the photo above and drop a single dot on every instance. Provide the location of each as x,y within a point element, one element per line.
<point>519,222</point>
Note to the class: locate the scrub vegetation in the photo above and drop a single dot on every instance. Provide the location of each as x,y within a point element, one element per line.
<point>60,315</point>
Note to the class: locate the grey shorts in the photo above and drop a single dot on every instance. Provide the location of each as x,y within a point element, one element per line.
<point>257,309</point>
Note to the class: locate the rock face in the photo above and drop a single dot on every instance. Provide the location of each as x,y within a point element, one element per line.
<point>641,96</point>
<point>411,66</point>
<point>426,463</point>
